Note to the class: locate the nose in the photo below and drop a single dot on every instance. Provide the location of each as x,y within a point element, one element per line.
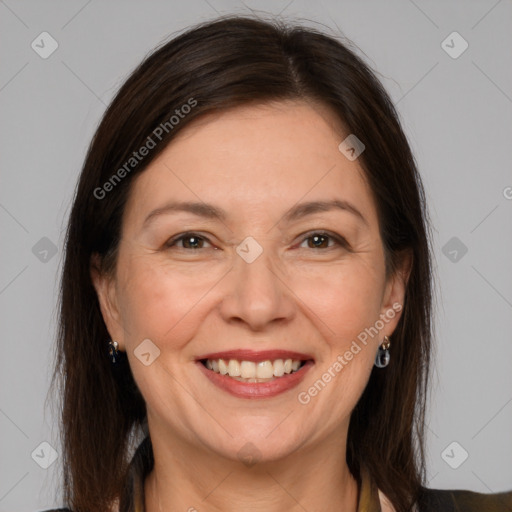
<point>257,294</point>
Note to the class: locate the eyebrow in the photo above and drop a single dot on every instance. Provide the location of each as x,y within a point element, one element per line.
<point>298,211</point>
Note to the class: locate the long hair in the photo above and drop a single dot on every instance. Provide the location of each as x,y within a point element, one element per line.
<point>223,64</point>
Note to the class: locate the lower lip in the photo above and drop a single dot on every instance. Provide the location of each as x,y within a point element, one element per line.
<point>257,389</point>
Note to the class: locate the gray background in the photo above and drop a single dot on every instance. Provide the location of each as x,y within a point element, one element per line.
<point>457,113</point>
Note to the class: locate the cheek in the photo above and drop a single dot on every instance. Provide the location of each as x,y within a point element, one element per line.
<point>346,298</point>
<point>161,303</point>
<point>346,303</point>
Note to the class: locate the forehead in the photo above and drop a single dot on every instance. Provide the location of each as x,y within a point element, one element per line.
<point>257,158</point>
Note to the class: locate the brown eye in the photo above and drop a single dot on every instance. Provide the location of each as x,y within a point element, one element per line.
<point>188,241</point>
<point>321,240</point>
<point>192,242</point>
<point>318,241</point>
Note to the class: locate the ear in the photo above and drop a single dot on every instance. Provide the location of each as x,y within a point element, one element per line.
<point>394,293</point>
<point>105,287</point>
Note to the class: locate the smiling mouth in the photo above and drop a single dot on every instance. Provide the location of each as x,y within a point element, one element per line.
<point>254,372</point>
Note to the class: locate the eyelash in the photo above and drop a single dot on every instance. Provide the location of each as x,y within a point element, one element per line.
<point>339,240</point>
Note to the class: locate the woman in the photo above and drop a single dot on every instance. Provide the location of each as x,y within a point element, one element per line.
<point>246,294</point>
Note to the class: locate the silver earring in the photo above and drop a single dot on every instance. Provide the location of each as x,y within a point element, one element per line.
<point>113,351</point>
<point>382,358</point>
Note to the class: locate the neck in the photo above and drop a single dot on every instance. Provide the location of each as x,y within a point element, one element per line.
<point>186,478</point>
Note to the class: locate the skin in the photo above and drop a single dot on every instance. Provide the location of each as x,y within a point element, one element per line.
<point>255,162</point>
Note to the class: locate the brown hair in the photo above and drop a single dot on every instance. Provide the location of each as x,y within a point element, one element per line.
<point>223,64</point>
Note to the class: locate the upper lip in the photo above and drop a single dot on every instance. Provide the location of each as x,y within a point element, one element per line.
<point>256,356</point>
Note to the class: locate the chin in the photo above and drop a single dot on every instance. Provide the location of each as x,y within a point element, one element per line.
<point>250,446</point>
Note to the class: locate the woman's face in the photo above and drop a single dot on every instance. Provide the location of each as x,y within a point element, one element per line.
<point>252,270</point>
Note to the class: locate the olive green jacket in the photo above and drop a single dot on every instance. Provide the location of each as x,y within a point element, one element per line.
<point>432,500</point>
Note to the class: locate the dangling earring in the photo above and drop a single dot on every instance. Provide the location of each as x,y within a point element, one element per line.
<point>382,358</point>
<point>112,350</point>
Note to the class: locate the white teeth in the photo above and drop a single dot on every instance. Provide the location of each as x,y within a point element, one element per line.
<point>249,371</point>
<point>264,370</point>
<point>233,368</point>
<point>278,368</point>
<point>223,367</point>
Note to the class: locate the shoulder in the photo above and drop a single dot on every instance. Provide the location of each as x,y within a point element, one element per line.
<point>458,500</point>
<point>57,510</point>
